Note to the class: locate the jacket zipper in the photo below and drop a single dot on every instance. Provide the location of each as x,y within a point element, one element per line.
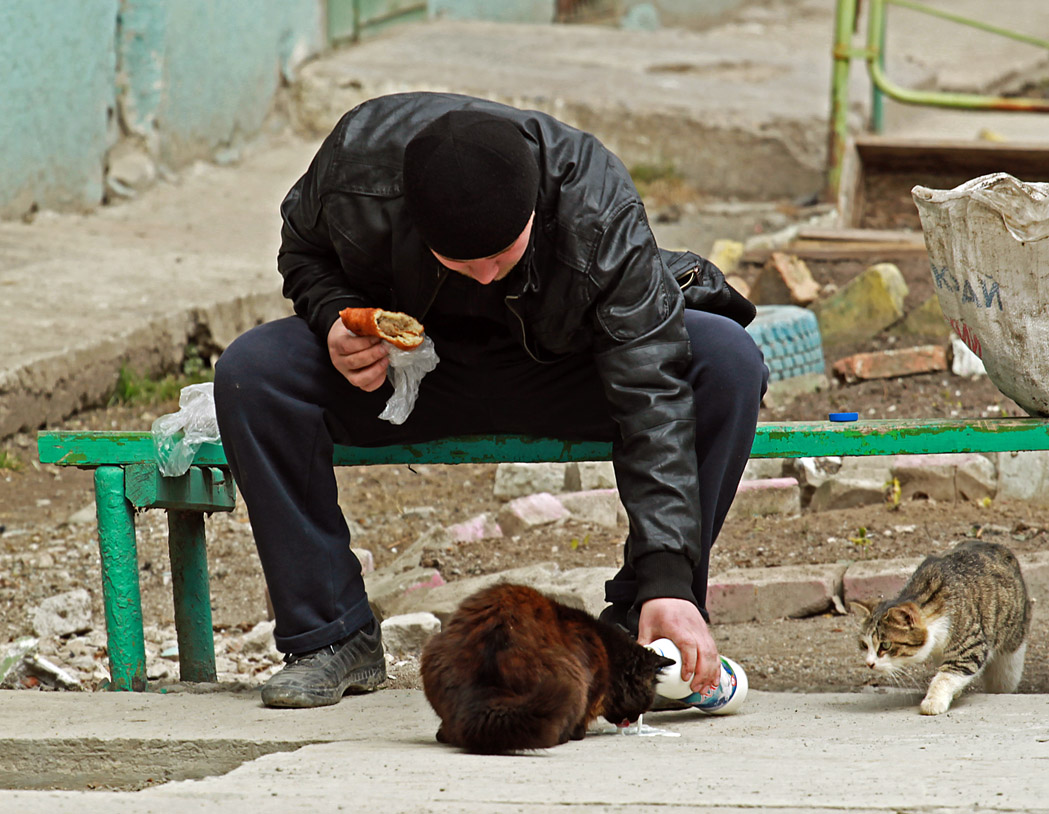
<point>524,331</point>
<point>442,275</point>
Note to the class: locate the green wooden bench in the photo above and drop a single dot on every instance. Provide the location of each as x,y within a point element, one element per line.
<point>127,478</point>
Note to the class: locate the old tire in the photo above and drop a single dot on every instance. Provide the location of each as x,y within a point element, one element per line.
<point>789,337</point>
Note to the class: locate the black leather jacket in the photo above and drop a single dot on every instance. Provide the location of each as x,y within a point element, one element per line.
<point>597,284</point>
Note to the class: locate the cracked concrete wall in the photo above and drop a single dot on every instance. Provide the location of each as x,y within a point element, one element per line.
<point>201,76</point>
<point>57,97</point>
<point>184,80</point>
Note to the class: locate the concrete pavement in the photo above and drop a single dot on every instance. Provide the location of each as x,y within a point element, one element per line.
<point>81,295</point>
<point>786,753</point>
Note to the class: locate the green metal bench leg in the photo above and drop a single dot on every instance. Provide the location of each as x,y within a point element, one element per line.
<point>189,580</point>
<point>120,591</point>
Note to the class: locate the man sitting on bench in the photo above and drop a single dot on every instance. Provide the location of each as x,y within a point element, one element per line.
<point>523,247</point>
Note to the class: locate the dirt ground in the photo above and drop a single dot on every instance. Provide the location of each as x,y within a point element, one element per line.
<point>47,542</point>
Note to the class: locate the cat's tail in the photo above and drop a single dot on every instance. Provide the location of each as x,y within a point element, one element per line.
<point>551,713</point>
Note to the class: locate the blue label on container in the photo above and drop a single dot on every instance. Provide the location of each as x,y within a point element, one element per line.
<point>722,695</point>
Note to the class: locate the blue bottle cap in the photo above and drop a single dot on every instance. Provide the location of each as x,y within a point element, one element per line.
<point>843,416</point>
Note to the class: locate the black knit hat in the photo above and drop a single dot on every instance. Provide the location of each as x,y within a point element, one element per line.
<point>470,183</point>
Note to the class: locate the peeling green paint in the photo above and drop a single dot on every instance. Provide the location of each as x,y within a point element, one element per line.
<point>140,65</point>
<point>793,439</point>
<point>120,589</point>
<point>201,489</point>
<point>190,586</point>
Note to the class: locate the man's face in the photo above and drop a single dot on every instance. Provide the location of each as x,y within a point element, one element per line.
<point>495,267</point>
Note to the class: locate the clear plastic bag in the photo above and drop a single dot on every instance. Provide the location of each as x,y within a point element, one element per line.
<point>407,368</point>
<point>178,436</point>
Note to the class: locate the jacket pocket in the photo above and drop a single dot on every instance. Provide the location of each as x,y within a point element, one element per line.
<point>704,287</point>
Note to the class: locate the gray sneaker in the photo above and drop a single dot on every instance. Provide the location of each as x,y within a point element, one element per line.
<point>321,677</point>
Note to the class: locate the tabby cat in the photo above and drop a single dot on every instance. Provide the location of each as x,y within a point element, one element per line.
<point>968,609</point>
<point>513,669</point>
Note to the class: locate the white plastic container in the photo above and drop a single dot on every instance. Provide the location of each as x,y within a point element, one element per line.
<point>726,699</point>
<point>989,257</point>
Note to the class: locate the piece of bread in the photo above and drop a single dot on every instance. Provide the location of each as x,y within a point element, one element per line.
<point>400,330</point>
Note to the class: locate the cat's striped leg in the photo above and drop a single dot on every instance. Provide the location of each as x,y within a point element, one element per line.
<point>943,689</point>
<point>1004,670</point>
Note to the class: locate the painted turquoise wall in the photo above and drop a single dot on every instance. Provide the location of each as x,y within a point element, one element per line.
<point>184,77</point>
<point>504,11</point>
<point>57,62</point>
<point>201,74</point>
<point>688,13</point>
<point>180,79</point>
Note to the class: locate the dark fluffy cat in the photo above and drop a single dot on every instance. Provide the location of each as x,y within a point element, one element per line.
<point>968,609</point>
<point>513,669</point>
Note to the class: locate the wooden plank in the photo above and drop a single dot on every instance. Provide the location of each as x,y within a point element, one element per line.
<point>851,187</point>
<point>477,449</point>
<point>872,161</point>
<point>803,439</point>
<point>900,237</point>
<point>90,449</point>
<point>791,439</point>
<point>936,155</point>
<point>845,244</point>
<point>837,250</point>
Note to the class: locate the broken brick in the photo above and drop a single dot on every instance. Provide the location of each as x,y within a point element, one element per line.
<point>890,364</point>
<point>785,280</point>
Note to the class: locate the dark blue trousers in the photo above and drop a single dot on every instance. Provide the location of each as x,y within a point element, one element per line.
<point>282,406</point>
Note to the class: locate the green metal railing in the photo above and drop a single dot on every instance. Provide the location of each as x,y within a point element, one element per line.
<point>845,27</point>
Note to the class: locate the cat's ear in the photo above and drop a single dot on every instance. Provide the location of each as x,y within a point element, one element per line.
<point>861,609</point>
<point>663,662</point>
<point>906,615</point>
<point>649,661</point>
